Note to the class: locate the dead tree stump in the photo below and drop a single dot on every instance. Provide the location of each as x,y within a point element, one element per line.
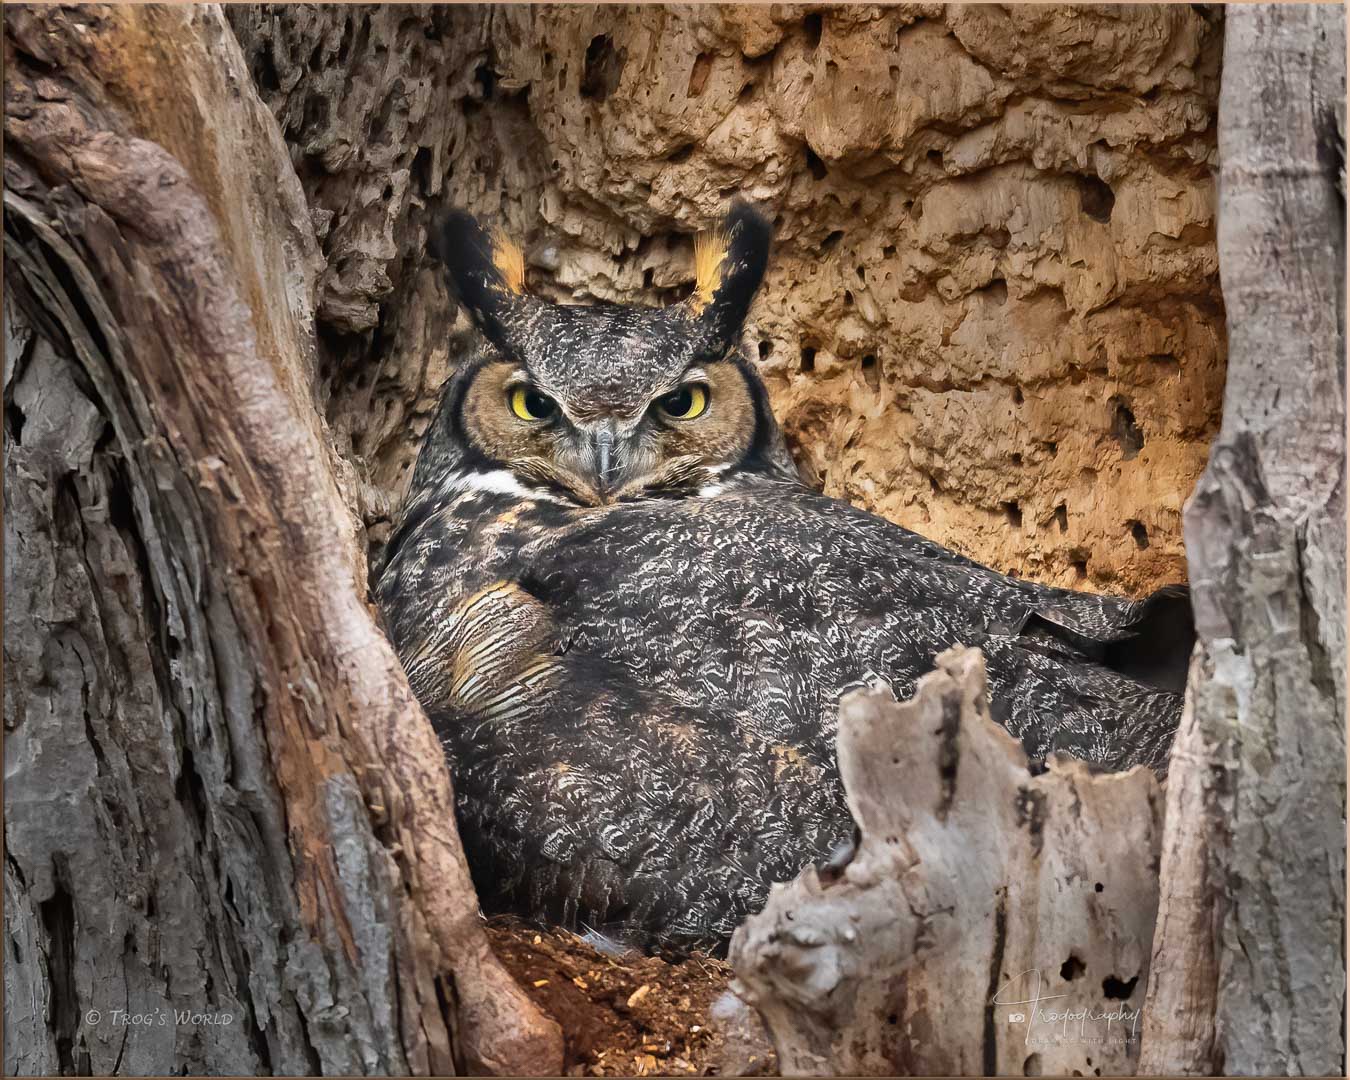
<point>990,921</point>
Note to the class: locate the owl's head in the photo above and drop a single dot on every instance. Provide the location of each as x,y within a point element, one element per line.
<point>608,402</point>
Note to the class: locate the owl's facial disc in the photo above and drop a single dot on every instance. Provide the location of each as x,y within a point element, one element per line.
<point>598,448</point>
<point>612,402</point>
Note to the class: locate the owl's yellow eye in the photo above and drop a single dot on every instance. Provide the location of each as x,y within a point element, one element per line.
<point>529,404</point>
<point>685,403</point>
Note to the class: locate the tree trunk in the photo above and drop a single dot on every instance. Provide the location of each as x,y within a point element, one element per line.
<point>230,837</point>
<point>1250,949</point>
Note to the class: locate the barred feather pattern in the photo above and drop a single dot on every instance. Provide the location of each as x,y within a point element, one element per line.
<point>656,748</point>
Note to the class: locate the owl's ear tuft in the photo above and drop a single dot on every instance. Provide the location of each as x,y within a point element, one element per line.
<point>710,252</point>
<point>486,272</point>
<point>729,265</point>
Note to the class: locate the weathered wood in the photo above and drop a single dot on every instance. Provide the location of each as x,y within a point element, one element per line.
<point>1178,1029</point>
<point>981,905</point>
<point>1250,950</point>
<point>222,796</point>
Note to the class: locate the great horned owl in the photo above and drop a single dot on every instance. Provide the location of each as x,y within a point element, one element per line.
<point>631,622</point>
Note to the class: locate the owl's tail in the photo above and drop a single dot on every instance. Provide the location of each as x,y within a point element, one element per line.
<point>1148,641</point>
<point>1158,650</point>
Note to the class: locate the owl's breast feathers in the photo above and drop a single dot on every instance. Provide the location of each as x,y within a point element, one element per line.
<point>638,700</point>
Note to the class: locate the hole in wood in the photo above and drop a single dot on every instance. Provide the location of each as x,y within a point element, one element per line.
<point>698,75</point>
<point>1096,198</point>
<point>815,165</point>
<point>486,79</point>
<point>813,25</point>
<point>421,169</point>
<point>15,416</point>
<point>603,66</point>
<point>871,371</point>
<point>1125,430</point>
<point>1117,989</point>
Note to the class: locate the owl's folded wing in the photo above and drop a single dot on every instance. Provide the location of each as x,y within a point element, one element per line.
<point>628,814</point>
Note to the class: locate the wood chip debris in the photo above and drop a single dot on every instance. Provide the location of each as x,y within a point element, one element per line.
<point>593,997</point>
<point>638,994</point>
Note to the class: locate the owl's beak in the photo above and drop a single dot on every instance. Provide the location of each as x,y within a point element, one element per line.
<point>602,456</point>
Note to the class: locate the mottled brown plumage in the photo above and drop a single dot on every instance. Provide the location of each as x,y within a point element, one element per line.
<point>631,623</point>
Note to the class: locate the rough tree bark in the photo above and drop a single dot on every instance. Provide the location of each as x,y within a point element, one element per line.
<point>1250,949</point>
<point>222,798</point>
<point>991,921</point>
